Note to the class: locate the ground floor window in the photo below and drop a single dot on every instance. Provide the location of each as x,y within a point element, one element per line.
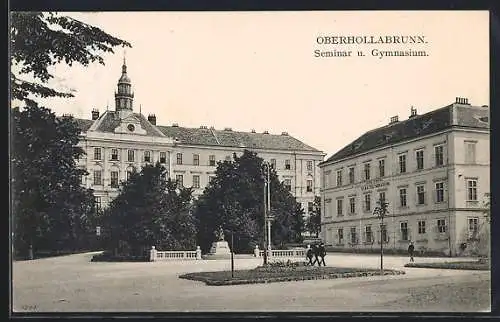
<point>368,234</point>
<point>421,226</point>
<point>441,226</point>
<point>354,237</point>
<point>340,235</point>
<point>404,230</point>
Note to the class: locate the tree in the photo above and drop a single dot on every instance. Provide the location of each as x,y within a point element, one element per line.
<point>313,224</point>
<point>39,40</point>
<point>51,210</point>
<point>234,200</point>
<point>150,210</point>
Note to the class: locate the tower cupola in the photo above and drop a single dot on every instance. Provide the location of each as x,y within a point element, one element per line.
<point>124,97</point>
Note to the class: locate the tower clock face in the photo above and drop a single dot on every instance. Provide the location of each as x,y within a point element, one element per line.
<point>131,127</point>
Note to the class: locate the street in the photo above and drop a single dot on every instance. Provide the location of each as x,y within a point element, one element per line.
<point>74,284</point>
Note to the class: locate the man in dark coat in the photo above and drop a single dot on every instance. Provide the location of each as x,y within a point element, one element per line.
<point>315,252</point>
<point>322,254</point>
<point>310,254</point>
<point>411,251</point>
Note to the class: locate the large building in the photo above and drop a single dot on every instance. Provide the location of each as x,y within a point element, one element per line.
<point>433,170</point>
<point>118,141</point>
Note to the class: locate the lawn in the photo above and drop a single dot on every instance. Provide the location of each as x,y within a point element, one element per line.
<point>281,274</point>
<point>477,265</point>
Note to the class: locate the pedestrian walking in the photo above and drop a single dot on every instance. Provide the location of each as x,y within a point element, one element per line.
<point>310,254</point>
<point>315,251</point>
<point>322,254</point>
<point>411,251</point>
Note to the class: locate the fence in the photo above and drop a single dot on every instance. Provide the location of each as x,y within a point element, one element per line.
<point>156,255</point>
<point>281,253</point>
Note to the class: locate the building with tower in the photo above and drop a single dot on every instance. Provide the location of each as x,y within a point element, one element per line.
<point>433,170</point>
<point>118,141</point>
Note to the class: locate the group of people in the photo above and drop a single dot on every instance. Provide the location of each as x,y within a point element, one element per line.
<point>318,252</point>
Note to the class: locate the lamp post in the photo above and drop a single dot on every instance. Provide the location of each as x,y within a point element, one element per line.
<point>267,209</point>
<point>380,211</point>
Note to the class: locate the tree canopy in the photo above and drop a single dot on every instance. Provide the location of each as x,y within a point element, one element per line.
<point>50,208</point>
<point>313,224</point>
<point>39,40</point>
<point>234,200</point>
<point>150,210</point>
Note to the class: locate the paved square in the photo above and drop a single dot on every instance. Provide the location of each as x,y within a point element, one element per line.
<point>74,284</point>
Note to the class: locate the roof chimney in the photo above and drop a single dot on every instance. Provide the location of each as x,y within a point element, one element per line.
<point>284,133</point>
<point>266,132</point>
<point>462,100</point>
<point>95,114</point>
<point>394,119</point>
<point>228,129</point>
<point>175,125</point>
<point>152,119</point>
<point>253,131</point>
<point>413,112</point>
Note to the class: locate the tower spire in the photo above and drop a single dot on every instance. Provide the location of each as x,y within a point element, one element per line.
<point>124,97</point>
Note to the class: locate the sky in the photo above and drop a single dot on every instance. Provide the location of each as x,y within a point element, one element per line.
<point>258,70</point>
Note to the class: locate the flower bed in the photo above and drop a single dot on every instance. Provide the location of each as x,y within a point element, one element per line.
<point>271,274</point>
<point>480,265</point>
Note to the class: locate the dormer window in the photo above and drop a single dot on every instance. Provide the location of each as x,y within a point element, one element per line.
<point>131,127</point>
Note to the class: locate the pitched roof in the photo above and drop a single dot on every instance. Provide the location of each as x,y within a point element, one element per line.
<point>419,125</point>
<point>206,136</point>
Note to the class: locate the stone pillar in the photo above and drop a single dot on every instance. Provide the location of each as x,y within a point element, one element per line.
<point>198,252</point>
<point>256,251</point>
<point>152,254</point>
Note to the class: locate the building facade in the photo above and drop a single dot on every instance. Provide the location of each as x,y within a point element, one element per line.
<point>118,141</point>
<point>433,171</point>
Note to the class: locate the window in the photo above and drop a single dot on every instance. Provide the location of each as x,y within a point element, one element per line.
<point>180,180</point>
<point>420,195</point>
<point>196,159</point>
<point>352,205</point>
<point>273,163</point>
<point>287,164</point>
<point>97,153</point>
<point>473,226</point>
<point>163,157</point>
<point>97,202</point>
<point>381,168</point>
<point>196,181</point>
<point>383,234</point>
<point>309,165</point>
<point>97,177</point>
<point>441,225</point>
<point>367,202</point>
<point>288,184</point>
<point>339,178</point>
<point>354,238</point>
<point>367,171</point>
<point>381,196</point>
<point>470,152</point>
<point>340,235</point>
<point>309,185</point>
<point>351,175</point>
<point>114,154</point>
<point>471,190</point>
<point>130,156</point>
<point>368,234</point>
<point>402,163</point>
<point>438,155</point>
<point>340,206</point>
<point>210,179</point>
<point>420,159</point>
<point>310,207</point>
<point>179,158</point>
<point>439,191</point>
<point>421,226</point>
<point>402,197</point>
<point>404,230</point>
<point>211,160</point>
<point>147,156</point>
<point>114,179</point>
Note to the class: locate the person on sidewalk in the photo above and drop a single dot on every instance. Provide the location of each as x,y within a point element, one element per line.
<point>411,251</point>
<point>310,254</point>
<point>315,251</point>
<point>322,254</point>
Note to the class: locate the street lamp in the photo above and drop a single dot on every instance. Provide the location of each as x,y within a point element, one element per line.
<point>381,211</point>
<point>267,209</point>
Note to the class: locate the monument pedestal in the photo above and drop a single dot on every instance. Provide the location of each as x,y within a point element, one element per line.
<point>219,250</point>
